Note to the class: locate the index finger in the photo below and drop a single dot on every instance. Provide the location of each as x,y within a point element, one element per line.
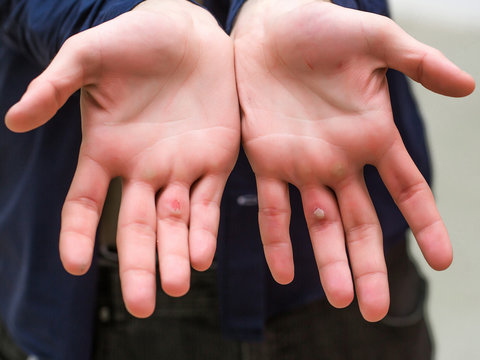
<point>417,204</point>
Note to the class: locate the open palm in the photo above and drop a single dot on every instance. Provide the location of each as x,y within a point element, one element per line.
<point>159,109</point>
<point>316,110</point>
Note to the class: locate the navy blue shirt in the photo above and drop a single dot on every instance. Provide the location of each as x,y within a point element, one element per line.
<point>50,313</point>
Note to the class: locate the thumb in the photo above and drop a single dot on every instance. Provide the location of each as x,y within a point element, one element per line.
<point>420,62</point>
<point>47,93</point>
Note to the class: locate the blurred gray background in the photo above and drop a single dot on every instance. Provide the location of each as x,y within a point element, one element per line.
<point>453,127</point>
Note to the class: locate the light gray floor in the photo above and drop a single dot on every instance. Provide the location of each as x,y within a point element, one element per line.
<point>453,126</point>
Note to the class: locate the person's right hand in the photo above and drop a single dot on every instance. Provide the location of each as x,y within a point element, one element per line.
<point>159,108</point>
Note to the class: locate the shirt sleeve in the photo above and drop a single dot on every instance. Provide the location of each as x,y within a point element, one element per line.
<point>38,28</point>
<point>374,6</point>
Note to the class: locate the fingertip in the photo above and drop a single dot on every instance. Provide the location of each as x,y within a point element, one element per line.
<point>458,82</point>
<point>444,77</point>
<point>138,290</point>
<point>175,275</point>
<point>340,297</point>
<point>141,312</point>
<point>201,258</point>
<point>462,85</point>
<point>202,245</point>
<point>440,257</point>
<point>18,120</point>
<point>35,108</point>
<point>281,268</point>
<point>338,286</point>
<point>375,307</point>
<point>279,257</point>
<point>175,287</point>
<point>442,264</point>
<point>283,277</point>
<point>201,265</point>
<point>75,254</point>
<point>10,119</point>
<point>468,84</point>
<point>75,267</point>
<point>373,296</point>
<point>435,245</point>
<point>374,315</point>
<point>342,300</point>
<point>138,309</point>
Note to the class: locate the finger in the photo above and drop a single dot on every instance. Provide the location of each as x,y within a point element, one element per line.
<point>365,247</point>
<point>417,204</point>
<point>328,240</point>
<point>80,215</point>
<point>274,221</point>
<point>50,90</point>
<point>136,238</point>
<point>420,62</point>
<point>172,238</point>
<point>205,215</point>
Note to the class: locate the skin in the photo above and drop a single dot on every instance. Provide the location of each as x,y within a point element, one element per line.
<point>159,108</point>
<point>312,118</point>
<point>316,109</point>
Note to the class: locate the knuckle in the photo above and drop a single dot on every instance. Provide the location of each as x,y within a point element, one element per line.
<point>363,232</point>
<point>273,212</point>
<point>411,191</point>
<point>141,228</point>
<point>85,202</point>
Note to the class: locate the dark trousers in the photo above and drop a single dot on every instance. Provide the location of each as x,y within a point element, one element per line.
<point>188,328</point>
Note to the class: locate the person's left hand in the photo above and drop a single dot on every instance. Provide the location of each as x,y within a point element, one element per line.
<point>316,110</point>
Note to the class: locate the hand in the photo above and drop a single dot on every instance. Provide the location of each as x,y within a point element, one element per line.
<point>316,110</point>
<point>159,108</point>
